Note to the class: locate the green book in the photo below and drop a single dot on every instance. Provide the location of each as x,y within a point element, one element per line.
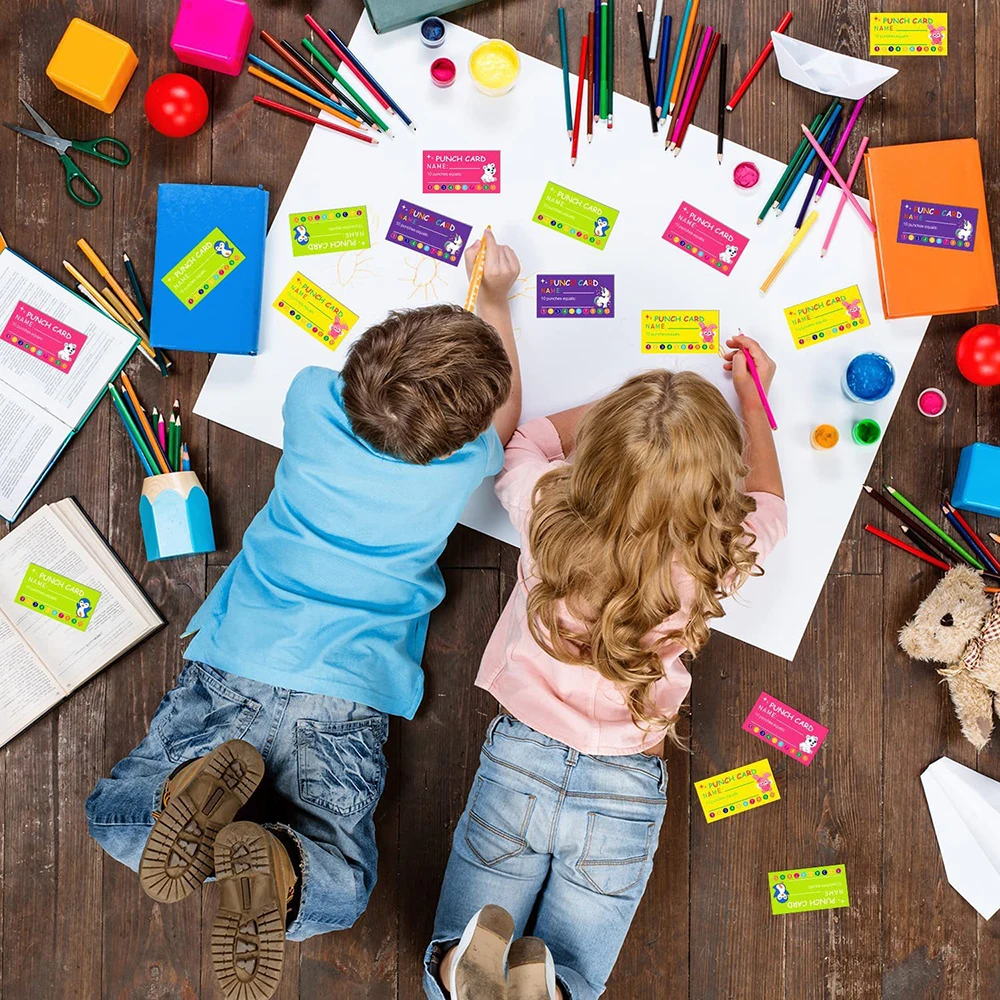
<point>387,15</point>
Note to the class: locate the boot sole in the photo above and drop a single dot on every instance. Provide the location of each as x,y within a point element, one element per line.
<point>526,977</point>
<point>248,935</point>
<point>479,974</point>
<point>177,857</point>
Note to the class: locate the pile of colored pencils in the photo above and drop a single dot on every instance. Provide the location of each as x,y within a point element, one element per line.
<point>157,443</point>
<point>115,303</point>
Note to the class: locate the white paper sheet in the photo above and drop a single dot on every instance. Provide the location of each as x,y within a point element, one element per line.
<point>565,362</point>
<point>827,72</point>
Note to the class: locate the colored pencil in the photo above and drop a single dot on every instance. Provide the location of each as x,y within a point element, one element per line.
<point>858,160</point>
<point>720,128</point>
<point>826,125</point>
<point>328,39</point>
<point>978,545</point>
<point>132,429</point>
<point>476,278</point>
<point>654,38</point>
<point>273,71</point>
<point>755,375</point>
<point>797,239</point>
<point>922,539</point>
<point>603,105</point>
<point>161,429</point>
<point>841,146</point>
<point>133,280</point>
<point>103,271</point>
<point>597,46</point>
<point>646,72</point>
<point>792,165</point>
<point>908,522</point>
<point>359,101</point>
<point>318,84</point>
<point>564,57</point>
<point>995,537</point>
<point>185,459</point>
<point>661,78</point>
<point>306,94</point>
<point>121,310</point>
<point>177,445</point>
<point>98,303</point>
<point>176,408</point>
<point>313,120</point>
<point>588,107</point>
<point>691,74</point>
<point>991,590</point>
<point>95,302</point>
<point>611,63</point>
<point>761,59</point>
<point>912,549</point>
<point>147,431</point>
<point>681,52</point>
<point>698,88</point>
<point>324,83</point>
<point>807,201</point>
<point>940,532</point>
<point>579,99</point>
<point>855,204</point>
<point>697,33</point>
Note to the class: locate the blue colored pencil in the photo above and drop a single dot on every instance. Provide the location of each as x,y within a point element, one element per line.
<point>677,51</point>
<point>969,540</point>
<point>565,68</point>
<point>298,85</point>
<point>354,63</point>
<point>828,146</point>
<point>661,82</point>
<point>807,161</point>
<point>118,402</point>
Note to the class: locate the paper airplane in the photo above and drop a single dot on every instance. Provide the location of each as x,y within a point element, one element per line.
<point>965,811</point>
<point>827,72</point>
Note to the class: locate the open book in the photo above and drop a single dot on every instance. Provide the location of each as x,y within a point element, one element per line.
<point>68,608</point>
<point>57,355</point>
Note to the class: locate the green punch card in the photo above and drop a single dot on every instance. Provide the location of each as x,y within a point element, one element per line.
<point>330,230</point>
<point>203,268</point>
<point>575,215</point>
<point>57,597</point>
<point>800,890</point>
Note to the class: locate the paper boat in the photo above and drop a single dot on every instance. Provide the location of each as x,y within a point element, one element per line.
<point>827,72</point>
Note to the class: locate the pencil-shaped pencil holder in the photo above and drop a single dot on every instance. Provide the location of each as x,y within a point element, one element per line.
<point>175,517</point>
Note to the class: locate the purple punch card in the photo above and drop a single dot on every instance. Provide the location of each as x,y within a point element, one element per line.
<point>950,227</point>
<point>781,727</point>
<point>429,233</point>
<point>575,296</point>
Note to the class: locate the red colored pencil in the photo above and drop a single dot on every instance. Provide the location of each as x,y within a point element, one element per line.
<point>342,56</point>
<point>590,78</point>
<point>302,116</point>
<point>976,540</point>
<point>579,98</point>
<point>755,68</point>
<point>678,142</point>
<point>912,549</point>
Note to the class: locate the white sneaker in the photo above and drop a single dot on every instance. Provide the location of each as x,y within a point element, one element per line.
<point>531,972</point>
<point>477,971</point>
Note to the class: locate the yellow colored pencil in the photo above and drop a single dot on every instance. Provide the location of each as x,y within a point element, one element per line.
<point>685,45</point>
<point>146,429</point>
<point>288,89</point>
<point>120,308</point>
<point>792,247</point>
<point>476,279</point>
<point>88,252</point>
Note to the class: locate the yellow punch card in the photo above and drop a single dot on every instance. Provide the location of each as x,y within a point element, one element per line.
<point>738,790</point>
<point>826,317</point>
<point>897,34</point>
<point>680,331</point>
<point>314,310</point>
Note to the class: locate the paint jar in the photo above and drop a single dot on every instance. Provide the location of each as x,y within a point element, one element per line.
<point>432,32</point>
<point>443,72</point>
<point>494,67</point>
<point>866,432</point>
<point>932,402</point>
<point>746,176</point>
<point>868,378</point>
<point>824,437</point>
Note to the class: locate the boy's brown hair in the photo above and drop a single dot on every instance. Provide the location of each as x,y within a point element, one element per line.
<point>424,382</point>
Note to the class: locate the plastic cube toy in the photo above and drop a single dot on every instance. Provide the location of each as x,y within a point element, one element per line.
<point>92,65</point>
<point>977,485</point>
<point>213,34</point>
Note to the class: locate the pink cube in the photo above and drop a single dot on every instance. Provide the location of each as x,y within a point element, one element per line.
<point>213,34</point>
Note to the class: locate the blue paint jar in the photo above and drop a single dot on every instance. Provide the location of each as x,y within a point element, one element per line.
<point>868,378</point>
<point>432,32</point>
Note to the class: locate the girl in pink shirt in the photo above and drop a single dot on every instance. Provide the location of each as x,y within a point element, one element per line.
<point>668,505</point>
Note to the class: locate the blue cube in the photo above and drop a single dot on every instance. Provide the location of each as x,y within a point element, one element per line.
<point>977,485</point>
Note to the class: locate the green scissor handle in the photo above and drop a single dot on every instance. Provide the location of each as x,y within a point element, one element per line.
<point>74,173</point>
<point>92,148</point>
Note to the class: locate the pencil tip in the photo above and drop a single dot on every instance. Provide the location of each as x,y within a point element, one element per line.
<point>719,158</point>
<point>759,221</point>
<point>413,128</point>
<point>822,252</point>
<point>572,161</point>
<point>728,108</point>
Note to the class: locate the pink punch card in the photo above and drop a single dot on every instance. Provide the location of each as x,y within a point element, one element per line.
<point>43,337</point>
<point>710,241</point>
<point>461,171</point>
<point>791,732</point>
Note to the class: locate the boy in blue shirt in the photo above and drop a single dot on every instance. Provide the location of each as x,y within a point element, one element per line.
<point>314,636</point>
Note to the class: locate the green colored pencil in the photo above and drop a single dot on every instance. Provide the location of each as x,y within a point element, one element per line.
<point>940,532</point>
<point>795,177</point>
<point>137,437</point>
<point>793,165</point>
<point>325,63</point>
<point>604,60</point>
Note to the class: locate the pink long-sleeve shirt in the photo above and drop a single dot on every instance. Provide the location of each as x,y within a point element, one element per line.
<point>570,702</point>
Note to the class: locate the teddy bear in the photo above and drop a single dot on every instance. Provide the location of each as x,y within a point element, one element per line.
<point>957,625</point>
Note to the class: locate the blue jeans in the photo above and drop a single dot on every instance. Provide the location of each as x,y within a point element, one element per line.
<point>563,841</point>
<point>324,773</point>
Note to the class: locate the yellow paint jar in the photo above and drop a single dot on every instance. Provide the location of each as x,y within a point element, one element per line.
<point>824,437</point>
<point>494,67</point>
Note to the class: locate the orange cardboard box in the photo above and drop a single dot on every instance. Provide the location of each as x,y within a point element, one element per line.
<point>92,65</point>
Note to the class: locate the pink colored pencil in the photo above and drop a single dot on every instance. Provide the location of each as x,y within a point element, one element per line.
<point>835,174</point>
<point>752,368</point>
<point>855,167</point>
<point>858,105</point>
<point>692,81</point>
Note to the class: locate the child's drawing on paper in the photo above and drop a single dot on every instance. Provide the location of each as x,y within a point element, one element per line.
<point>424,278</point>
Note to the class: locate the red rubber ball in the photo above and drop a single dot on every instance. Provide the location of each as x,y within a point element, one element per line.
<point>978,354</point>
<point>176,105</point>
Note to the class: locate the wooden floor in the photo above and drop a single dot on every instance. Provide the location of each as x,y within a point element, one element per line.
<point>76,925</point>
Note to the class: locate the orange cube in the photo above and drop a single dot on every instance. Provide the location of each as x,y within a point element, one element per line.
<point>92,65</point>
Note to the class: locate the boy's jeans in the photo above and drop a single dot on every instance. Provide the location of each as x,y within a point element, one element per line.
<point>324,773</point>
<point>562,841</point>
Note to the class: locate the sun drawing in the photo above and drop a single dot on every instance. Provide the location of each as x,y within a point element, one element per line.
<point>423,278</point>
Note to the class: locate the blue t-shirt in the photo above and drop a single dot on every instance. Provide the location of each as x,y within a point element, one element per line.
<point>338,574</point>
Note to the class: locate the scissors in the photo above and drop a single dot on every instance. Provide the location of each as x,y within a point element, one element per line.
<point>50,137</point>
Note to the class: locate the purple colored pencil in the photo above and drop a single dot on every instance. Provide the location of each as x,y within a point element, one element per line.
<point>841,146</point>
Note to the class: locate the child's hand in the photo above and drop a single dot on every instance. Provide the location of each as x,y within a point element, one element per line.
<point>736,362</point>
<point>501,269</point>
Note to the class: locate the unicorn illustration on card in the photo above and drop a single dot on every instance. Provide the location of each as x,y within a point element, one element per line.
<point>453,245</point>
<point>964,233</point>
<point>603,300</point>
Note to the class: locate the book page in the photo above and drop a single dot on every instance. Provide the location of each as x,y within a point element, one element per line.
<point>55,348</point>
<point>26,688</point>
<point>29,439</point>
<point>72,654</point>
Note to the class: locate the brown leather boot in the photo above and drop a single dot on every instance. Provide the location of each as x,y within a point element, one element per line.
<point>257,880</point>
<point>198,801</point>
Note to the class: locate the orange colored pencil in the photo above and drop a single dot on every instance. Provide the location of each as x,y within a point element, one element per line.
<point>685,45</point>
<point>579,98</point>
<point>146,429</point>
<point>288,89</point>
<point>699,87</point>
<point>684,75</point>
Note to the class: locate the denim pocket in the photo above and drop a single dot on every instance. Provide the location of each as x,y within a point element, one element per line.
<point>341,766</point>
<point>199,713</point>
<point>498,822</point>
<point>616,854</point>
